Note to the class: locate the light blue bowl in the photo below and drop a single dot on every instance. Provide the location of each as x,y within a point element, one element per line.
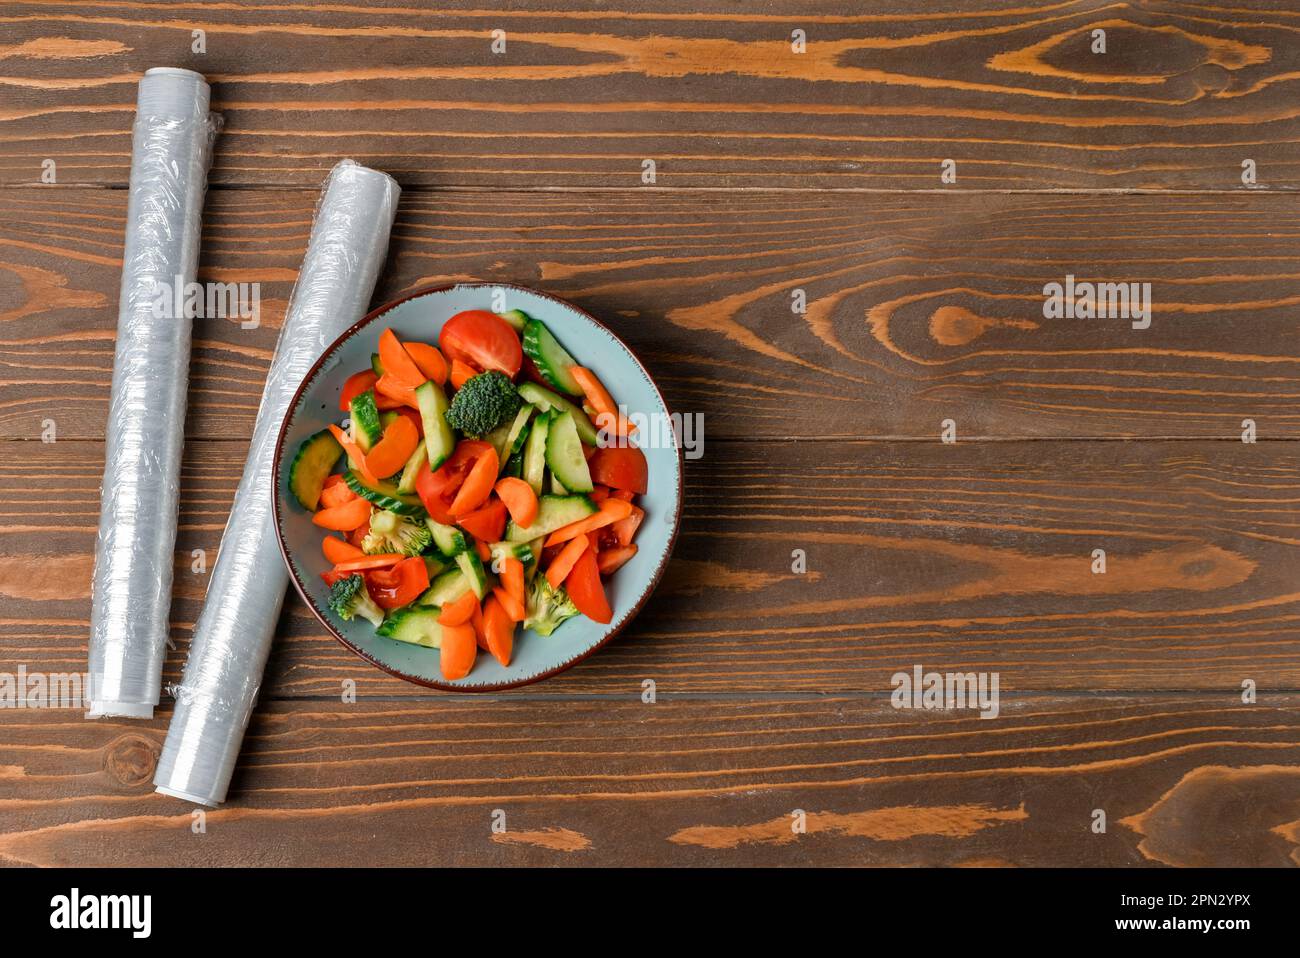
<point>420,317</point>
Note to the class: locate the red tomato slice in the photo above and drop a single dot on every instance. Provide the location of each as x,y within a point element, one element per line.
<point>488,523</point>
<point>400,585</point>
<point>482,339</point>
<point>584,588</point>
<point>620,467</point>
<point>355,385</point>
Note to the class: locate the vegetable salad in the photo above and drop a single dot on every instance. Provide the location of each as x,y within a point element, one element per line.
<point>479,485</point>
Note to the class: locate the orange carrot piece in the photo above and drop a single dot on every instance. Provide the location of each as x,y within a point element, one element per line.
<point>339,550</point>
<point>498,629</point>
<point>459,649</point>
<point>396,391</point>
<point>520,500</point>
<point>512,577</point>
<point>610,511</point>
<point>369,562</point>
<point>354,453</point>
<point>343,518</point>
<point>335,493</point>
<point>477,486</point>
<point>460,611</point>
<point>514,608</point>
<point>389,455</point>
<point>584,588</point>
<point>602,402</point>
<point>480,633</point>
<point>461,373</point>
<point>563,563</point>
<point>431,362</point>
<point>397,361</point>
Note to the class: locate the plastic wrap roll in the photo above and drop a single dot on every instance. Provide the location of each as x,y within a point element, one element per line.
<point>131,588</point>
<point>349,242</point>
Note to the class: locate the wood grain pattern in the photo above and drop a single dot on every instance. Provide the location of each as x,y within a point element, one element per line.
<point>712,91</point>
<point>969,557</point>
<point>919,309</point>
<point>1182,780</point>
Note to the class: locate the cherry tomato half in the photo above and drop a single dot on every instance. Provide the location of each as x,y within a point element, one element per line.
<point>482,339</point>
<point>400,585</point>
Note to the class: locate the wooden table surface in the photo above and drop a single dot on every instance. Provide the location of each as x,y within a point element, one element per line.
<point>776,171</point>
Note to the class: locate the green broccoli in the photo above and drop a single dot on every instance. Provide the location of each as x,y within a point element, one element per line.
<point>547,607</point>
<point>486,401</point>
<point>349,598</point>
<point>390,532</point>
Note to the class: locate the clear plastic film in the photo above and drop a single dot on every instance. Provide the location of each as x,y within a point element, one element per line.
<point>349,243</point>
<point>131,588</point>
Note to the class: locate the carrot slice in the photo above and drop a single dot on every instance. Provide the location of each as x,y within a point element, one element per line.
<point>610,511</point>
<point>461,373</point>
<point>429,360</point>
<point>498,629</point>
<point>335,493</point>
<point>460,611</point>
<point>396,392</point>
<point>584,588</point>
<point>355,385</point>
<point>480,633</point>
<point>343,518</point>
<point>354,453</point>
<point>514,608</point>
<point>459,650</point>
<point>611,560</point>
<point>380,561</point>
<point>339,550</point>
<point>512,577</point>
<point>563,563</point>
<point>519,499</point>
<point>391,452</point>
<point>601,401</point>
<point>397,361</point>
<point>477,486</point>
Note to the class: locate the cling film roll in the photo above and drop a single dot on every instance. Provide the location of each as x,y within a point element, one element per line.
<point>171,150</point>
<point>348,246</point>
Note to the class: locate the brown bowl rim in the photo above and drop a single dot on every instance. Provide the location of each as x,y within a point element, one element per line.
<point>278,479</point>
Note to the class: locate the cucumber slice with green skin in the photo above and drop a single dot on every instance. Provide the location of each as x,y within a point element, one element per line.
<point>312,464</point>
<point>545,399</point>
<point>449,586</point>
<point>406,484</point>
<point>376,366</point>
<point>450,541</point>
<point>366,427</point>
<point>438,436</point>
<point>523,551</point>
<point>515,465</point>
<point>517,319</point>
<point>553,512</point>
<point>535,547</point>
<point>533,465</point>
<point>557,487</point>
<point>551,359</point>
<point>475,574</point>
<point>415,624</point>
<point>435,565</point>
<point>384,495</point>
<point>564,455</point>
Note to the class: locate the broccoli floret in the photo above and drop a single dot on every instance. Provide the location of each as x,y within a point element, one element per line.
<point>349,598</point>
<point>486,401</point>
<point>547,607</point>
<point>390,532</point>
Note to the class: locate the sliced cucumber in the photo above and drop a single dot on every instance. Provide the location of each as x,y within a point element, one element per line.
<point>449,586</point>
<point>475,574</point>
<point>517,319</point>
<point>435,565</point>
<point>375,365</point>
<point>553,512</point>
<point>533,465</point>
<point>522,551</point>
<point>557,487</point>
<point>415,624</point>
<point>545,399</point>
<point>535,547</point>
<point>312,463</point>
<point>438,437</point>
<point>411,471</point>
<point>551,359</point>
<point>564,455</point>
<point>366,427</point>
<point>449,540</point>
<point>384,495</point>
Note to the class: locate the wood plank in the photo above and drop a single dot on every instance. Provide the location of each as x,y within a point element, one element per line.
<point>715,94</point>
<point>976,556</point>
<point>1199,780</point>
<point>919,308</point>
